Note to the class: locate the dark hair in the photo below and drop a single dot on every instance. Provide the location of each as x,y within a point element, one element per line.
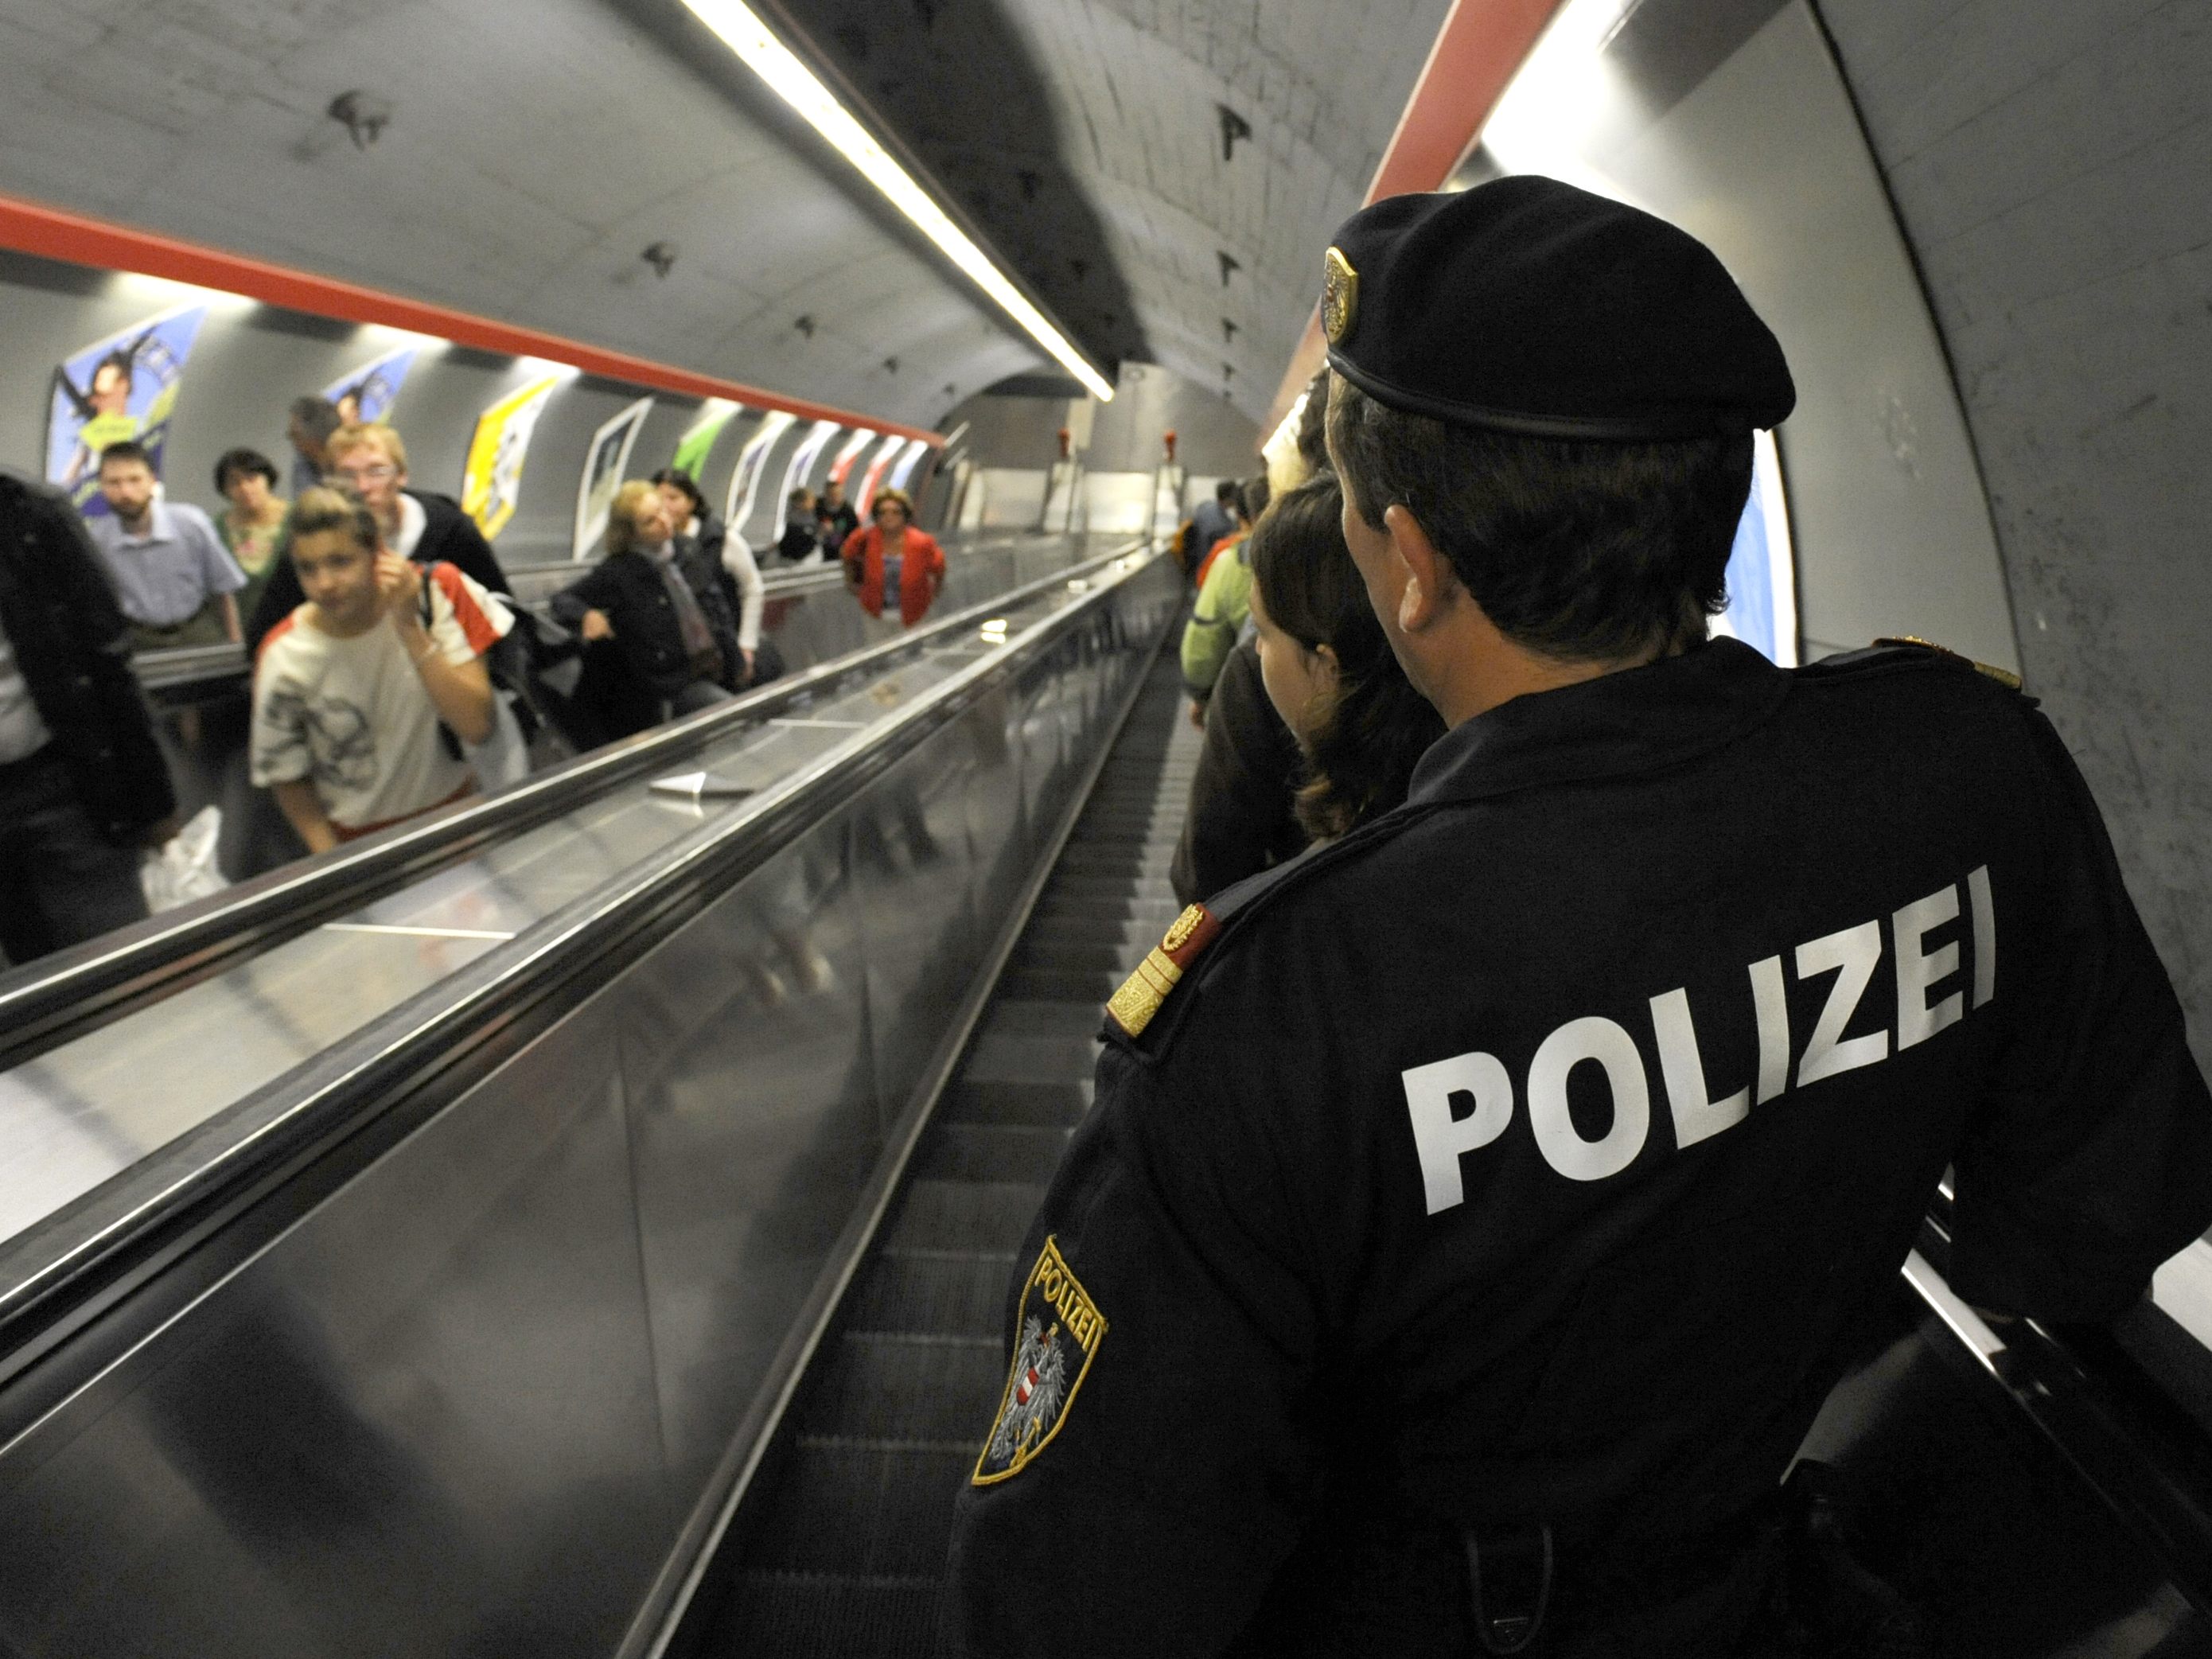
<point>1367,737</point>
<point>129,449</point>
<point>680,479</point>
<point>326,507</point>
<point>800,497</point>
<point>1582,550</point>
<point>1255,494</point>
<point>319,414</point>
<point>1313,423</point>
<point>1228,492</point>
<point>237,463</point>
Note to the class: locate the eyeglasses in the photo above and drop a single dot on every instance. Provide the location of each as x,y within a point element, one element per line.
<point>359,475</point>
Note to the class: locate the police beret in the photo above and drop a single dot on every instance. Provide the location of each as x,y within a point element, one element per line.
<point>1530,305</point>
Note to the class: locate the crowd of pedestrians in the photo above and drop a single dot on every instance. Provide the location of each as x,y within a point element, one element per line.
<point>391,672</point>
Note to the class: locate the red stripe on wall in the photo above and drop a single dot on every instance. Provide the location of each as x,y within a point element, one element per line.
<point>1477,53</point>
<point>51,234</point>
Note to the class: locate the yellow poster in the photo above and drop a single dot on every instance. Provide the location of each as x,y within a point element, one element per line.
<point>491,482</point>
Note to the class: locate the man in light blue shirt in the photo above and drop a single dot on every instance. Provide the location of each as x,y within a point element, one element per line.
<point>173,575</point>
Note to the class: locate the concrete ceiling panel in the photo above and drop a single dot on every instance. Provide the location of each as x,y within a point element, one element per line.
<point>538,147</point>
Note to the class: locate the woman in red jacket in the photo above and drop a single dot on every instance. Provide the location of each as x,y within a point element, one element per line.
<point>891,562</point>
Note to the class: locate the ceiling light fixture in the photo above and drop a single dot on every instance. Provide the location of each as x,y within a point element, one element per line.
<point>742,32</point>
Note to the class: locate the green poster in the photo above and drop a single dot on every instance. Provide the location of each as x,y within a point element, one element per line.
<point>694,446</point>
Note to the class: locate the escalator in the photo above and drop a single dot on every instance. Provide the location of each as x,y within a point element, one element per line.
<point>415,1275</point>
<point>842,1549</point>
<point>629,1278</point>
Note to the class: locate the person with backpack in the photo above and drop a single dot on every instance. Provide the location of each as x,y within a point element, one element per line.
<point>365,697</point>
<point>370,459</point>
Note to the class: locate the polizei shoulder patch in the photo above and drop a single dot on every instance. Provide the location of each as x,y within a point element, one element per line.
<point>1060,1330</point>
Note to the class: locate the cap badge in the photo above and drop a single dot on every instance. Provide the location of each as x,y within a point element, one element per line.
<point>1339,297</point>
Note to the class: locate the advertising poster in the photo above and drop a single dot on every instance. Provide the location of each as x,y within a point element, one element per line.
<point>803,458</point>
<point>369,392</point>
<point>491,482</point>
<point>1762,572</point>
<point>697,444</point>
<point>873,477</point>
<point>605,464</point>
<point>122,387</point>
<point>848,452</point>
<point>752,462</point>
<point>902,470</point>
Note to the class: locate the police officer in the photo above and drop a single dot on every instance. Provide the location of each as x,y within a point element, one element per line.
<point>1474,1213</point>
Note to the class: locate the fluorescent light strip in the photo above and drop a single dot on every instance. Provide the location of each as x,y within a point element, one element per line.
<point>742,32</point>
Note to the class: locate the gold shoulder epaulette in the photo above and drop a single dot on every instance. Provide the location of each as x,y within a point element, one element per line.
<point>1132,1006</point>
<point>2003,677</point>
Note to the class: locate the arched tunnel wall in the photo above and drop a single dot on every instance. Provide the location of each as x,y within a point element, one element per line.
<point>2052,164</point>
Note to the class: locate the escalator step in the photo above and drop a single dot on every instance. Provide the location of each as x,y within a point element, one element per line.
<point>792,1615</point>
<point>1095,984</point>
<point>908,1388</point>
<point>1083,883</point>
<point>947,1293</point>
<point>1150,916</point>
<point>1136,861</point>
<point>977,1100</point>
<point>966,1215</point>
<point>1010,1017</point>
<point>866,1508</point>
<point>1136,936</point>
<point>1066,956</point>
<point>990,1152</point>
<point>1002,1057</point>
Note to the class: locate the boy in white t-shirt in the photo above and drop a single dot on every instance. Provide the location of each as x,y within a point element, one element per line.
<point>350,690</point>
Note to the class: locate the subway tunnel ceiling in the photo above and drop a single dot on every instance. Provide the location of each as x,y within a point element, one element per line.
<point>535,150</point>
<point>1165,173</point>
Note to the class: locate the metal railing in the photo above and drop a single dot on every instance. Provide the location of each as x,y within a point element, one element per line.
<point>65,995</point>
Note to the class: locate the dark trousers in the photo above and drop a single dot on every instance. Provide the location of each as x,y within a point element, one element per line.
<point>61,881</point>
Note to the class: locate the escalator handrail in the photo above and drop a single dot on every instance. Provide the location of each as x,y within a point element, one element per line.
<point>333,1096</point>
<point>62,996</point>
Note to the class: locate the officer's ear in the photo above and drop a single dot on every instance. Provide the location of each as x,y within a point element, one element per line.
<point>1429,578</point>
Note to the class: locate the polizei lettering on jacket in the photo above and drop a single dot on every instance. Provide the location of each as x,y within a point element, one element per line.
<point>1461,1105</point>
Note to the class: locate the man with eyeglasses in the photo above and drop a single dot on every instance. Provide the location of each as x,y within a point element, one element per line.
<point>370,459</point>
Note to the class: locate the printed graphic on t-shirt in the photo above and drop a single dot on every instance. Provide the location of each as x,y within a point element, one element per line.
<point>352,715</point>
<point>332,733</point>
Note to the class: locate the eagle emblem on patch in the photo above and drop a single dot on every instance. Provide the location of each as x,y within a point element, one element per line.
<point>1060,1330</point>
<point>1339,297</point>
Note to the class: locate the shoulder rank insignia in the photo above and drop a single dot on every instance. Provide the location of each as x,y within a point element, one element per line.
<point>1060,1330</point>
<point>1132,1006</point>
<point>2003,677</point>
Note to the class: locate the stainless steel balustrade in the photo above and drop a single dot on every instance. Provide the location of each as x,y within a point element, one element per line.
<point>315,958</point>
<point>457,1330</point>
<point>69,994</point>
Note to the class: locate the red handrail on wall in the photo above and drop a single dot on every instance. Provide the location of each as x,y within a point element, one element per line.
<point>51,234</point>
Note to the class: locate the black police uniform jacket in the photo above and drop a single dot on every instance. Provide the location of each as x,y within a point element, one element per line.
<point>1525,1154</point>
